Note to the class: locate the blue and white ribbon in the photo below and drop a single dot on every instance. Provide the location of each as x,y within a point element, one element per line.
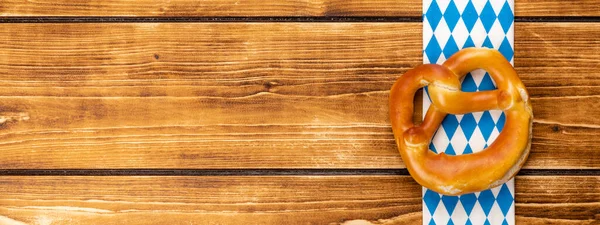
<point>448,26</point>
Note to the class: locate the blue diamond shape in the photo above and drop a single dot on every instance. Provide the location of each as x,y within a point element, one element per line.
<point>433,15</point>
<point>501,121</point>
<point>470,16</point>
<point>487,43</point>
<point>468,201</point>
<point>486,125</point>
<point>486,200</point>
<point>486,83</point>
<point>432,200</point>
<point>468,222</point>
<point>487,16</point>
<point>504,222</point>
<point>431,222</point>
<point>451,15</point>
<point>450,222</point>
<point>506,49</point>
<point>433,50</point>
<point>468,84</point>
<point>450,48</point>
<point>506,17</point>
<point>450,150</point>
<point>469,43</point>
<point>468,125</point>
<point>505,199</point>
<point>450,123</point>
<point>450,203</point>
<point>487,222</point>
<point>468,150</point>
<point>432,147</point>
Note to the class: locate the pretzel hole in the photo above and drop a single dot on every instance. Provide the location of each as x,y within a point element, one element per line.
<point>487,124</point>
<point>418,107</point>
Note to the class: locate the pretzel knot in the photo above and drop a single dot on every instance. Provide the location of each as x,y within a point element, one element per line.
<point>460,174</point>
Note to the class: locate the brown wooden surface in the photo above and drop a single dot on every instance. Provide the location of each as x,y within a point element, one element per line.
<point>258,95</point>
<point>246,8</point>
<point>261,95</point>
<point>272,200</point>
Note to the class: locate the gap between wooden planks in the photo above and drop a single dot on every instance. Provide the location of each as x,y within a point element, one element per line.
<point>272,199</point>
<point>293,95</point>
<point>253,8</point>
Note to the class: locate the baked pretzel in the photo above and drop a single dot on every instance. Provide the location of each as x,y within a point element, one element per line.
<point>460,174</point>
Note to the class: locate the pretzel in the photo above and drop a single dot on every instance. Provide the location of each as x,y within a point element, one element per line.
<point>460,174</point>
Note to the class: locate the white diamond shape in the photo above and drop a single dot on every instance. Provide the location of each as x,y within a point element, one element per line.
<point>426,4</point>
<point>426,218</point>
<point>510,215</point>
<point>440,216</point>
<point>495,217</point>
<point>495,114</point>
<point>511,3</point>
<point>510,35</point>
<point>477,216</point>
<point>493,136</point>
<point>478,33</point>
<point>441,60</point>
<point>479,4</point>
<point>477,116</point>
<point>511,186</point>
<point>459,216</point>
<point>426,59</point>
<point>427,33</point>
<point>426,213</point>
<point>459,141</point>
<point>477,142</point>
<point>496,190</point>
<point>442,33</point>
<point>459,117</point>
<point>426,103</point>
<point>497,5</point>
<point>440,140</point>
<point>461,5</point>
<point>496,34</point>
<point>460,33</point>
<point>443,4</point>
<point>478,75</point>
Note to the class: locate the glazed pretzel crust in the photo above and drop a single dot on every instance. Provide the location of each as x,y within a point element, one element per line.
<point>455,175</point>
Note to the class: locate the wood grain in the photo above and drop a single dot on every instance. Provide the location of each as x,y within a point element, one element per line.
<point>267,200</point>
<point>557,8</point>
<point>253,8</point>
<point>558,69</point>
<point>256,95</point>
<point>212,8</point>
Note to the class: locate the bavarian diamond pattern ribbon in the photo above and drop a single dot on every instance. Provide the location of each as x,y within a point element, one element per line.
<point>448,26</point>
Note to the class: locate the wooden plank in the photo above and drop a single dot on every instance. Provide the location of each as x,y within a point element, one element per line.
<point>558,70</point>
<point>267,200</point>
<point>176,95</point>
<point>246,8</point>
<point>256,95</point>
<point>557,8</point>
<point>253,8</point>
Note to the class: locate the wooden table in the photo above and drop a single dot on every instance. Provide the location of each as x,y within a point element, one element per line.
<point>266,112</point>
